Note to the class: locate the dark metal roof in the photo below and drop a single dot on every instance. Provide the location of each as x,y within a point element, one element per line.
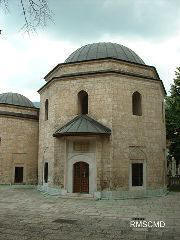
<point>104,50</point>
<point>15,99</point>
<point>82,125</point>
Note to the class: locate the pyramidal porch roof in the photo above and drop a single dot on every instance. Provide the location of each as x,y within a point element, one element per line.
<point>82,125</point>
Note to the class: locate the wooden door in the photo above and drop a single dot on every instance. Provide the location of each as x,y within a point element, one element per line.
<point>81,177</point>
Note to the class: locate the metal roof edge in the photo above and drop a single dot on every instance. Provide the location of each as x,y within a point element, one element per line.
<point>19,106</point>
<point>81,134</point>
<point>88,118</point>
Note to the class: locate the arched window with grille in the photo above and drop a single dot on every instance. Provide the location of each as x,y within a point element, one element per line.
<point>137,104</point>
<point>46,109</point>
<point>82,102</point>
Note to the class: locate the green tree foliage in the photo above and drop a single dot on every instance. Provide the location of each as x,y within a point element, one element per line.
<point>173,116</point>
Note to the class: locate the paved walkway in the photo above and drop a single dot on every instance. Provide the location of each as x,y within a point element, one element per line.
<point>26,214</point>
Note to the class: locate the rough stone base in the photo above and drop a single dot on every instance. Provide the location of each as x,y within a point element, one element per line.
<point>16,186</point>
<point>50,190</point>
<point>133,194</point>
<point>108,194</point>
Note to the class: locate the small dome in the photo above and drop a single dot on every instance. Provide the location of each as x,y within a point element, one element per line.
<point>104,50</point>
<point>15,99</point>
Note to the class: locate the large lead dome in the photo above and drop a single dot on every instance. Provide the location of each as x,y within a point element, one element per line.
<point>104,50</point>
<point>15,99</point>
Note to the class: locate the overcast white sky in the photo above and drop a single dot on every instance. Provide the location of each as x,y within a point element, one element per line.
<point>151,28</point>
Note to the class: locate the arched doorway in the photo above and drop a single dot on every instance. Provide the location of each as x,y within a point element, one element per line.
<point>81,177</point>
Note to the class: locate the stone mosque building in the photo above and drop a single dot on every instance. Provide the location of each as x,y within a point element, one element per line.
<point>99,131</point>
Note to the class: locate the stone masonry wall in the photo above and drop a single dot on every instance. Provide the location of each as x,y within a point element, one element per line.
<point>18,147</point>
<point>18,109</point>
<point>147,131</point>
<point>110,102</point>
<point>63,107</point>
<point>109,64</point>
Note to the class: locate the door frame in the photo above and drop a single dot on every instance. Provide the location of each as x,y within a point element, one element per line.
<point>24,173</point>
<point>143,187</point>
<point>87,165</point>
<point>87,158</point>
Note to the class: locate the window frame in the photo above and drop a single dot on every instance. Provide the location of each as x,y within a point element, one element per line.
<point>46,170</point>
<point>83,94</point>
<point>22,168</point>
<point>139,175</point>
<point>46,110</point>
<point>136,106</point>
<point>143,187</point>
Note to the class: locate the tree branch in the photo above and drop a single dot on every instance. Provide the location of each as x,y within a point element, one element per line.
<point>36,13</point>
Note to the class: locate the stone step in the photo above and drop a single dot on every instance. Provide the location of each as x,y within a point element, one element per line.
<point>78,196</point>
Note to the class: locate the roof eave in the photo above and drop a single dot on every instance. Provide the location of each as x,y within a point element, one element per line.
<point>79,134</point>
<point>101,72</point>
<point>19,106</point>
<point>92,60</point>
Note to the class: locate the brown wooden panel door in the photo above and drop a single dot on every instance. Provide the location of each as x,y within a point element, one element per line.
<point>81,177</point>
<point>77,178</point>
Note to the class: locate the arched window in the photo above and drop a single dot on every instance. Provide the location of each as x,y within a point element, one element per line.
<point>46,109</point>
<point>136,104</point>
<point>83,102</point>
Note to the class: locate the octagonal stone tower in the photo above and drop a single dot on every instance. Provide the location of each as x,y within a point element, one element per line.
<point>102,128</point>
